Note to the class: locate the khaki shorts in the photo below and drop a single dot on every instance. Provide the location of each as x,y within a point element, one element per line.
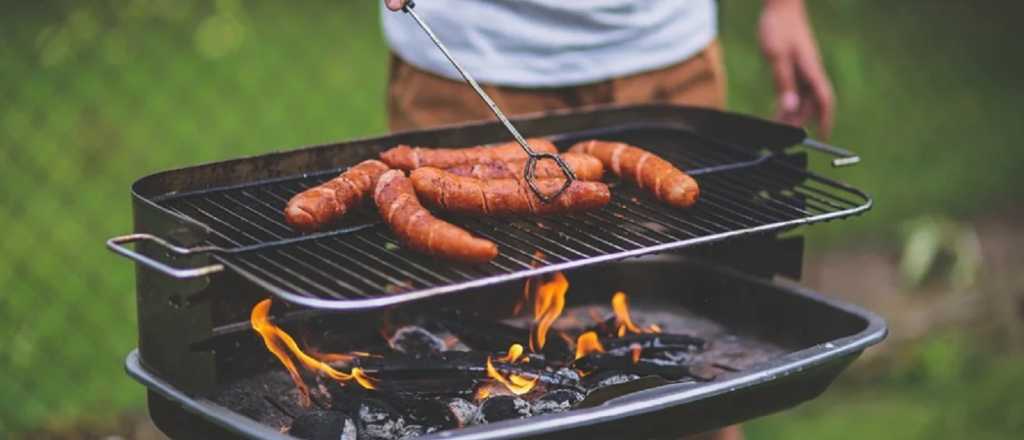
<point>418,99</point>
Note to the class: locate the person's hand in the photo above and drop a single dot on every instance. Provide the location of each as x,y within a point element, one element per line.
<point>395,5</point>
<point>802,86</point>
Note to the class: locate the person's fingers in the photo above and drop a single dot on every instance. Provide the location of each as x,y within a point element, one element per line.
<point>816,80</point>
<point>395,5</point>
<point>787,96</point>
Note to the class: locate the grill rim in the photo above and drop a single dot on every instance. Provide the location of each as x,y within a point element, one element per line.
<point>799,364</point>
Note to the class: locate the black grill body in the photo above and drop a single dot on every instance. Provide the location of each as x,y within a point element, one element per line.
<point>193,329</point>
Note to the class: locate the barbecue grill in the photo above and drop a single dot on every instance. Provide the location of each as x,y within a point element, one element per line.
<point>211,243</point>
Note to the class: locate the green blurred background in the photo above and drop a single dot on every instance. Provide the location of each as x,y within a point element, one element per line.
<point>94,94</point>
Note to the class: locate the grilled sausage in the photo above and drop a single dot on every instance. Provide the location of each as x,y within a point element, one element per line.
<point>585,166</point>
<point>467,195</point>
<point>321,205</point>
<point>409,158</point>
<point>422,232</point>
<point>668,183</point>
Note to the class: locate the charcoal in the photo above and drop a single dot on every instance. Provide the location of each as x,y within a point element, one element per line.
<point>378,420</point>
<point>497,408</point>
<point>426,411</point>
<point>247,397</point>
<point>489,336</point>
<point>411,431</point>
<point>649,341</point>
<point>323,425</point>
<point>555,401</point>
<point>605,328</point>
<point>464,411</point>
<point>625,364</point>
<point>454,386</point>
<point>414,340</point>
<point>451,365</point>
<point>605,378</point>
<point>568,375</point>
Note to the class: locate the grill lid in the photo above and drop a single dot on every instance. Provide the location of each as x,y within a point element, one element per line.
<point>360,264</point>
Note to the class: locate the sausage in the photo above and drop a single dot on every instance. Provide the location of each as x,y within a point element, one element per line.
<point>501,197</point>
<point>322,205</point>
<point>585,166</point>
<point>668,183</point>
<point>408,158</point>
<point>421,231</point>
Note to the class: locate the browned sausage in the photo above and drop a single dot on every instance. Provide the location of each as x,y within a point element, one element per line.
<point>668,183</point>
<point>585,166</point>
<point>422,232</point>
<point>321,205</point>
<point>409,158</point>
<point>467,195</point>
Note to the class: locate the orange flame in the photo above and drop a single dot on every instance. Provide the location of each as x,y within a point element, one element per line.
<point>274,336</point>
<point>548,303</point>
<point>269,335</point>
<point>515,383</point>
<point>588,343</point>
<point>620,305</point>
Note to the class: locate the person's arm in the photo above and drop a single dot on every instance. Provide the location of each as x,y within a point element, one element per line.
<point>395,5</point>
<point>802,85</point>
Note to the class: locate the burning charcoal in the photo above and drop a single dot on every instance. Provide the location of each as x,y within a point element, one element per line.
<point>556,401</point>
<point>414,340</point>
<point>497,337</point>
<point>323,425</point>
<point>605,328</point>
<point>464,411</point>
<point>502,408</point>
<point>379,420</point>
<point>450,365</point>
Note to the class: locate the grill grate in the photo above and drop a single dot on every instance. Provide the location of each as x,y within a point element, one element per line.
<point>361,265</point>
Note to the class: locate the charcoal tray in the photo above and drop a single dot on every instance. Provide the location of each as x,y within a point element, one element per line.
<point>814,337</point>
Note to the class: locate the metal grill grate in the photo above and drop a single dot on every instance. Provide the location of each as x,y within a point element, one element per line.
<point>361,265</point>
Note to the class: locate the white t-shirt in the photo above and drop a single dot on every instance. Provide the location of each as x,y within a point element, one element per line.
<point>552,43</point>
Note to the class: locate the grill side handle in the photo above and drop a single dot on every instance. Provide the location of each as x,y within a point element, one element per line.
<point>843,158</point>
<point>117,245</point>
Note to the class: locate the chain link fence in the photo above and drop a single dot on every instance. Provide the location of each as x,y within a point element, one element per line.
<point>96,93</point>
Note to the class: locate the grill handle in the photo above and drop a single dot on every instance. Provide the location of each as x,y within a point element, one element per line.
<point>117,244</point>
<point>845,157</point>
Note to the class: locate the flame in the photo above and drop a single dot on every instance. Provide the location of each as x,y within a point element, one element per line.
<point>549,300</point>
<point>515,383</point>
<point>514,352</point>
<point>588,343</point>
<point>262,325</point>
<point>274,336</point>
<point>620,305</point>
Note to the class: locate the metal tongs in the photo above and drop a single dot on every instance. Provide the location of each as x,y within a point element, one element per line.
<point>531,163</point>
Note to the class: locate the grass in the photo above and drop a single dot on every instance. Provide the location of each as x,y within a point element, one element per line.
<point>96,94</point>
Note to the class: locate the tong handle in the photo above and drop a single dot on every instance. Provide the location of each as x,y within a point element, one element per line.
<point>117,244</point>
<point>531,163</point>
<point>845,157</point>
